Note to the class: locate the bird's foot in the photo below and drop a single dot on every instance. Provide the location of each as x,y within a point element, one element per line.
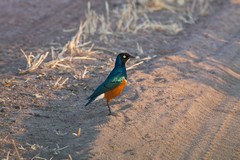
<point>112,114</point>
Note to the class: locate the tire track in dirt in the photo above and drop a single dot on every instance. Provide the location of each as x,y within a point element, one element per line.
<point>231,88</point>
<point>216,147</point>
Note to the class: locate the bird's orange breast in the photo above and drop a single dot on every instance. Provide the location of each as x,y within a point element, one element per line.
<point>116,91</point>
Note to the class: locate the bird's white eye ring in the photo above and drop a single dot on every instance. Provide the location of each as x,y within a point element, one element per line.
<point>124,56</point>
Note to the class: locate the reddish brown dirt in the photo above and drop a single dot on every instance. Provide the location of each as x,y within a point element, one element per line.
<point>183,104</point>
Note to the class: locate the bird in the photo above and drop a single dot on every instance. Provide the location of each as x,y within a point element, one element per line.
<point>114,83</point>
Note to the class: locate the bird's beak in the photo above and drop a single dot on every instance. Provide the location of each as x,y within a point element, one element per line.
<point>130,56</point>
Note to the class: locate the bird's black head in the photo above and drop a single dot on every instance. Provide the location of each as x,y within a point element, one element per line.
<point>122,58</point>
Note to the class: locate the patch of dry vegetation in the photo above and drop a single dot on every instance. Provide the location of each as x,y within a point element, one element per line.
<point>13,152</point>
<point>61,59</point>
<point>193,9</point>
<point>59,84</point>
<point>33,61</point>
<point>71,51</point>
<point>129,18</point>
<point>132,17</point>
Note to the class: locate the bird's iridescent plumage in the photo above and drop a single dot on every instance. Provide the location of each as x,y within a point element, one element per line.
<point>114,79</point>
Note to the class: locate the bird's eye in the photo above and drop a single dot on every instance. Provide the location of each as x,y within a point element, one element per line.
<point>124,56</point>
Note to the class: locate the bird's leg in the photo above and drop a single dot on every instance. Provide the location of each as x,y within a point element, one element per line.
<point>109,109</point>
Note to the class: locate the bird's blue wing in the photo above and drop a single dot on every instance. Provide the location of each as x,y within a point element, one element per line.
<point>114,79</point>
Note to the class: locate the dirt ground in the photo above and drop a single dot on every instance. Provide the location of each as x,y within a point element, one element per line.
<point>182,104</point>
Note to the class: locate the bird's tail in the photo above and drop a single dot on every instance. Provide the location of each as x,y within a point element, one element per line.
<point>94,98</point>
<point>88,102</point>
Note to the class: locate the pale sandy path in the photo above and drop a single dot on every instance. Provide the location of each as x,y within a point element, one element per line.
<point>183,106</point>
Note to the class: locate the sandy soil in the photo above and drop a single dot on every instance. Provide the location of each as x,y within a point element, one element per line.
<point>183,104</point>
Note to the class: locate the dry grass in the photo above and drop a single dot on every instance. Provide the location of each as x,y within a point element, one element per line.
<point>129,18</point>
<point>77,45</point>
<point>78,134</point>
<point>33,62</point>
<point>140,61</point>
<point>193,9</point>
<point>147,25</point>
<point>58,63</point>
<point>96,23</point>
<point>91,21</point>
<point>134,19</point>
<point>71,51</point>
<point>58,149</point>
<point>157,5</point>
<point>59,84</point>
<point>16,149</point>
<point>140,49</point>
<point>13,152</point>
<point>73,48</point>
